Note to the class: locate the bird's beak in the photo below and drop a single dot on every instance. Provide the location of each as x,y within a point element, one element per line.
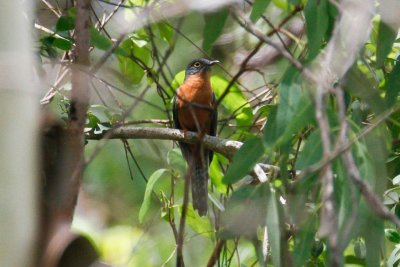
<point>213,62</point>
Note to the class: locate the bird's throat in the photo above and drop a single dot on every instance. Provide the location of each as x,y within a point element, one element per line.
<point>197,89</point>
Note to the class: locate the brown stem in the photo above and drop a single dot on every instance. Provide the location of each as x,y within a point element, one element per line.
<point>181,234</point>
<point>215,254</point>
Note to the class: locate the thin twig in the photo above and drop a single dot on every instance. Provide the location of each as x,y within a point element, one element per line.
<point>52,8</point>
<point>53,33</point>
<point>329,220</point>
<point>129,150</point>
<point>342,139</point>
<point>127,159</point>
<point>117,7</point>
<point>181,233</point>
<point>251,28</point>
<point>171,216</point>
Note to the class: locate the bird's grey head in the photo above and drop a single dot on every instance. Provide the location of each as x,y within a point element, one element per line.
<point>199,65</point>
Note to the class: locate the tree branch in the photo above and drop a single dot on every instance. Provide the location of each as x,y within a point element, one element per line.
<point>223,146</point>
<point>78,107</point>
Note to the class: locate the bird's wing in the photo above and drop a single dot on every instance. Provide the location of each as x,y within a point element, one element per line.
<point>177,125</point>
<point>183,146</point>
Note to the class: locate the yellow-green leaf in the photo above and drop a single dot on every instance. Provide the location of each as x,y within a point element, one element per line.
<point>259,7</point>
<point>244,160</point>
<point>214,24</point>
<point>149,189</point>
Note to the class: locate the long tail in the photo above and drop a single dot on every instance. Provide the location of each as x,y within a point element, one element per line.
<point>200,187</point>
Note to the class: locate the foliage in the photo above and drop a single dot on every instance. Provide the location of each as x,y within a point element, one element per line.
<point>275,223</point>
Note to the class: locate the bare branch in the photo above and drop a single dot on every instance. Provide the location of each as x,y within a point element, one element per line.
<point>223,146</point>
<point>329,220</point>
<point>251,28</point>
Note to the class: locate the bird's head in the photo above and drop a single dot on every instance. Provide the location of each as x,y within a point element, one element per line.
<point>199,66</point>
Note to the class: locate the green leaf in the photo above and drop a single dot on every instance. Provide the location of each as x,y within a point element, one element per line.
<point>216,175</point>
<point>386,37</point>
<point>317,23</point>
<point>303,116</point>
<point>304,240</point>
<point>392,235</point>
<point>282,4</point>
<point>244,160</point>
<point>59,42</point>
<point>259,7</point>
<point>149,189</point>
<point>214,24</point>
<point>311,153</point>
<point>47,40</point>
<point>102,42</point>
<point>200,225</point>
<point>393,85</point>
<point>140,38</point>
<point>349,199</point>
<point>360,85</point>
<point>178,80</point>
<point>65,23</point>
<point>294,2</point>
<point>247,204</point>
<point>100,112</point>
<point>353,260</point>
<point>289,99</point>
<point>235,102</point>
<point>166,32</point>
<point>63,44</point>
<point>372,155</point>
<point>132,72</point>
<point>270,132</point>
<point>273,228</point>
<point>91,120</point>
<point>98,40</point>
<point>317,248</point>
<point>374,237</point>
<point>72,12</point>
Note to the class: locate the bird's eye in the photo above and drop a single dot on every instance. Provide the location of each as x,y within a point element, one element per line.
<point>197,64</point>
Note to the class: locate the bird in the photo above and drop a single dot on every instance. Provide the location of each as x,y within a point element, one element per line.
<point>193,110</point>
